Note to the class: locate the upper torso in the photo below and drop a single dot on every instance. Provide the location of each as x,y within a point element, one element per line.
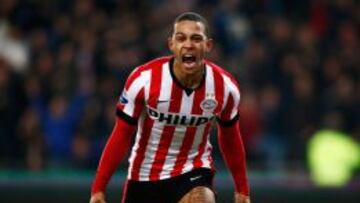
<point>173,121</point>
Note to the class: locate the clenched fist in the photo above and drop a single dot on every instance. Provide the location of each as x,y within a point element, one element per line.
<point>98,197</point>
<point>240,198</point>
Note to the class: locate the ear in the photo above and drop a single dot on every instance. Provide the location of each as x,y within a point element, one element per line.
<point>209,44</point>
<point>170,43</point>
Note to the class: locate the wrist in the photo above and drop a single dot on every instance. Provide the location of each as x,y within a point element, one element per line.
<point>242,194</point>
<point>98,193</point>
<point>241,198</point>
<point>242,187</point>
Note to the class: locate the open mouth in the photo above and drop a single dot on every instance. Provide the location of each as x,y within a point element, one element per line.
<point>189,60</point>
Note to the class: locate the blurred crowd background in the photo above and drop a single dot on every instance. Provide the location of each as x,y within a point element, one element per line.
<point>63,65</point>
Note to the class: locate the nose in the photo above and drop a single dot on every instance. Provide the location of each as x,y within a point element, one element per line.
<point>188,44</point>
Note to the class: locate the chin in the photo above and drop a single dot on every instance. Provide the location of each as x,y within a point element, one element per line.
<point>191,70</point>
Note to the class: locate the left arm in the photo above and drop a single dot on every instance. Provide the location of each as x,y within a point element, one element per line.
<point>230,141</point>
<point>233,151</point>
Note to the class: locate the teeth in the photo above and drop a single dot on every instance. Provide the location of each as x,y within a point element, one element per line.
<point>188,58</point>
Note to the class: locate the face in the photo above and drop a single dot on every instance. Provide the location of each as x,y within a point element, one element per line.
<point>189,45</point>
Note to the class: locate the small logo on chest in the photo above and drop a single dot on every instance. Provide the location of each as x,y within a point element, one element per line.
<point>209,103</point>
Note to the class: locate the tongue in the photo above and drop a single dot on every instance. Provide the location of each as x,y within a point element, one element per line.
<point>189,64</point>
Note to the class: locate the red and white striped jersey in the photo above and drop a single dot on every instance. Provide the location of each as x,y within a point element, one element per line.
<point>174,122</point>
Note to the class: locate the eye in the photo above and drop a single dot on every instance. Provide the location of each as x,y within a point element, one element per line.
<point>180,38</point>
<point>197,38</point>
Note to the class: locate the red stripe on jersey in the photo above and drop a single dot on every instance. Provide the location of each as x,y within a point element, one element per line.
<point>147,66</point>
<point>125,191</point>
<point>226,115</point>
<point>140,153</point>
<point>211,160</point>
<point>155,83</point>
<point>167,134</point>
<point>133,76</point>
<point>139,103</point>
<point>219,89</point>
<point>189,134</point>
<point>197,160</point>
<point>220,70</point>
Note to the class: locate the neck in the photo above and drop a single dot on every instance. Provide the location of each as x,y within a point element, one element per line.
<point>192,80</point>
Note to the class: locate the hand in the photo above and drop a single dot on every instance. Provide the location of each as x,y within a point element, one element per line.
<point>98,197</point>
<point>240,198</point>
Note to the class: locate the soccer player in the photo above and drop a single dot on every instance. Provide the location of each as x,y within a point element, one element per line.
<point>170,103</point>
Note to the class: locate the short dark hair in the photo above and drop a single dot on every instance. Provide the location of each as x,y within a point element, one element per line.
<point>192,16</point>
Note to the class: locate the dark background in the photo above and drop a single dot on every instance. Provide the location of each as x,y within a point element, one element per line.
<point>63,65</point>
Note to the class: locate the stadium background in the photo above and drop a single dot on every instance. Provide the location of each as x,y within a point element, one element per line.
<point>63,64</point>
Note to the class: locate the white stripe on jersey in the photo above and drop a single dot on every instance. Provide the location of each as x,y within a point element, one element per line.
<point>234,91</point>
<point>209,85</point>
<point>171,163</point>
<point>207,153</point>
<point>136,145</point>
<point>194,149</point>
<point>226,93</point>
<point>134,88</point>
<point>178,137</point>
<point>209,92</point>
<point>155,137</point>
<point>145,78</point>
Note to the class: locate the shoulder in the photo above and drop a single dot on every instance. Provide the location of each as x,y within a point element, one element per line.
<point>229,80</point>
<point>157,62</point>
<point>143,70</point>
<point>153,64</point>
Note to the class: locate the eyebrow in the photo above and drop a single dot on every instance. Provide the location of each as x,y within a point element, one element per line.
<point>192,35</point>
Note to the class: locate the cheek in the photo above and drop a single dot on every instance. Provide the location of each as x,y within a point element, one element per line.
<point>178,48</point>
<point>202,49</point>
<point>206,48</point>
<point>174,46</point>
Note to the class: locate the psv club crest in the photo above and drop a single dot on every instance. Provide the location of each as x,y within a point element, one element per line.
<point>209,103</point>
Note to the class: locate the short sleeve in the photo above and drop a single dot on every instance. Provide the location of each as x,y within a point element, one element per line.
<point>131,100</point>
<point>230,112</point>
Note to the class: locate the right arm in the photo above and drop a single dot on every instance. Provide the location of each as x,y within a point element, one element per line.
<point>113,153</point>
<point>129,108</point>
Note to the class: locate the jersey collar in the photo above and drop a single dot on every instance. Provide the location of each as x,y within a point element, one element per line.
<point>187,90</point>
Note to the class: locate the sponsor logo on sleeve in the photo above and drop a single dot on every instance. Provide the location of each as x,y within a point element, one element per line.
<point>123,98</point>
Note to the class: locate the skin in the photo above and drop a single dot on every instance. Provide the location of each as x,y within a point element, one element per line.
<point>196,195</point>
<point>98,197</point>
<point>240,198</point>
<point>188,38</point>
<point>199,194</point>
